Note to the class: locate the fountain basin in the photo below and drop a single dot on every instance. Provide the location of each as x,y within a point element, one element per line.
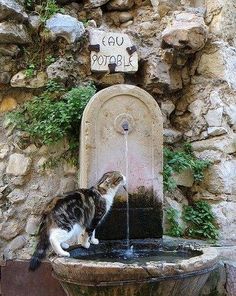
<point>148,276</point>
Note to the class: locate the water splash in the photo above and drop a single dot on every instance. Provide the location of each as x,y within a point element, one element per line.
<point>127,186</point>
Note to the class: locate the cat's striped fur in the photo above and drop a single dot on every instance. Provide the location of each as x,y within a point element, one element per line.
<point>75,215</point>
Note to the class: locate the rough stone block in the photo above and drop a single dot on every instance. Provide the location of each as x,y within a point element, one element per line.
<point>18,165</point>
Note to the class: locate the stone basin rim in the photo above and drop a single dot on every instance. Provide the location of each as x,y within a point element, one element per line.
<point>100,273</point>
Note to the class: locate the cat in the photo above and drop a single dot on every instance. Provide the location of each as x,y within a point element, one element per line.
<point>77,214</point>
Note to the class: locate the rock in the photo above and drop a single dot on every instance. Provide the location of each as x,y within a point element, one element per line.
<point>218,61</point>
<point>187,33</point>
<point>196,108</point>
<point>171,136</point>
<point>31,149</point>
<point>94,3</point>
<point>158,76</point>
<point>17,195</point>
<point>167,107</point>
<point>18,165</point>
<point>35,22</point>
<point>5,77</point>
<point>220,178</point>
<point>231,278</point>
<point>60,70</point>
<point>67,185</point>
<point>125,17</point>
<point>21,80</point>
<point>127,24</point>
<point>210,155</point>
<point>96,15</point>
<point>9,50</point>
<point>214,117</point>
<point>216,131</point>
<point>225,144</point>
<point>14,33</point>
<point>4,149</point>
<point>230,112</point>
<point>111,79</point>
<point>32,225</point>
<point>8,104</point>
<point>65,26</point>
<point>120,5</point>
<point>12,9</point>
<point>16,244</point>
<point>225,217</point>
<point>184,178</point>
<point>69,169</point>
<point>170,203</point>
<point>11,229</point>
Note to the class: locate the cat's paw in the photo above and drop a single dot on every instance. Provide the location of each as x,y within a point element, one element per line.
<point>94,241</point>
<point>65,246</point>
<point>64,254</point>
<point>85,245</point>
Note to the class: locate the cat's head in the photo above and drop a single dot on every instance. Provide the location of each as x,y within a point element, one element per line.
<point>111,180</point>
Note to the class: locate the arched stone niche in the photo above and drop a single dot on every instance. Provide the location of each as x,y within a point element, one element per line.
<point>103,149</point>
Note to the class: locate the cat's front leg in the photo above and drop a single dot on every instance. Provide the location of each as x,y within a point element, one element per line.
<point>94,240</point>
<point>85,240</point>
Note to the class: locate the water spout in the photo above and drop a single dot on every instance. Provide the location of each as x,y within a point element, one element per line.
<point>125,126</point>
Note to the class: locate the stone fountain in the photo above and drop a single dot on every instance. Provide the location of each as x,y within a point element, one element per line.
<point>122,130</point>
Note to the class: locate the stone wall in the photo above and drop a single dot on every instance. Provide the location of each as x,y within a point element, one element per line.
<point>187,61</point>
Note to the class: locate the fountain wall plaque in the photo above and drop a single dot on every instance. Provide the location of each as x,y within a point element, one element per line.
<point>103,148</point>
<point>112,52</point>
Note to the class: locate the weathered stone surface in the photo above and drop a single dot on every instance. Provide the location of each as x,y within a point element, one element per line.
<point>219,62</point>
<point>32,225</point>
<point>4,149</point>
<point>69,169</point>
<point>65,26</point>
<point>9,49</point>
<point>12,8</point>
<point>211,155</point>
<point>125,17</point>
<point>18,165</point>
<point>16,244</point>
<point>34,21</point>
<point>8,103</point>
<point>187,33</point>
<point>222,143</point>
<point>167,107</point>
<point>231,278</point>
<point>14,33</point>
<point>21,80</point>
<point>159,76</point>
<point>230,112</point>
<point>120,4</point>
<point>216,131</point>
<point>10,229</point>
<point>225,216</point>
<point>112,50</point>
<point>17,195</point>
<point>60,69</point>
<point>184,178</point>
<point>220,178</point>
<point>111,79</point>
<point>5,77</point>
<point>67,185</point>
<point>171,135</point>
<point>214,117</point>
<point>94,3</point>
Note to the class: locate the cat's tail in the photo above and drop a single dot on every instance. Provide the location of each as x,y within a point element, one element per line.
<point>41,248</point>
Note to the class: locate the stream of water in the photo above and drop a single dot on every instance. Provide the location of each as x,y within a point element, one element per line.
<point>129,251</point>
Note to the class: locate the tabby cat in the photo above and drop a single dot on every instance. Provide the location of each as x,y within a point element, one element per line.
<point>75,215</point>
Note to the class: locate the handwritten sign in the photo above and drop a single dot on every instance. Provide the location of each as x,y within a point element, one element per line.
<point>112,52</point>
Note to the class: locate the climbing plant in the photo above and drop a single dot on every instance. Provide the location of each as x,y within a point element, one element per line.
<point>178,161</point>
<point>200,221</point>
<point>174,229</point>
<point>54,114</point>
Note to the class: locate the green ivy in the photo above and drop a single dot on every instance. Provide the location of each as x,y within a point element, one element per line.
<point>178,161</point>
<point>174,229</point>
<point>200,221</point>
<point>54,115</point>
